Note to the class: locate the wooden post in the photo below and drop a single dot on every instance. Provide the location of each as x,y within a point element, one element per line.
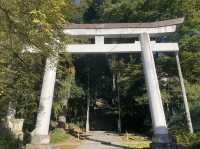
<point>189,121</point>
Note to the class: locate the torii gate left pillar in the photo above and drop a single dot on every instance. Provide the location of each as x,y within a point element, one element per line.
<point>40,136</point>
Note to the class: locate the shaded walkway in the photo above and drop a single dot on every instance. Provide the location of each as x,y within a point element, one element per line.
<point>103,119</point>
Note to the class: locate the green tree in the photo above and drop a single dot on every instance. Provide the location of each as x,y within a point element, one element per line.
<point>28,24</point>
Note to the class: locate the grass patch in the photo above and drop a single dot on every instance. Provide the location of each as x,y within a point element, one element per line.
<point>59,136</point>
<point>133,141</point>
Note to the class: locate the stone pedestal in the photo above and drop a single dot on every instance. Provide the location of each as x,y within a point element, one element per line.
<point>61,122</point>
<point>163,141</point>
<point>16,127</point>
<point>39,142</point>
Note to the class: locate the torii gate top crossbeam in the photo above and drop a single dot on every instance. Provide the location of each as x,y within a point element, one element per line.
<point>110,30</point>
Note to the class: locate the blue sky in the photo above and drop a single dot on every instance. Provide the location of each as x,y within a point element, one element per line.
<point>77,1</point>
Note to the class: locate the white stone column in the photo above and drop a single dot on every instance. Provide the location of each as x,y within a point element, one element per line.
<point>46,98</point>
<point>99,40</point>
<point>155,101</point>
<point>187,109</point>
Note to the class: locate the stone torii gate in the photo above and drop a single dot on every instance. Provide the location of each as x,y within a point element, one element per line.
<point>144,32</point>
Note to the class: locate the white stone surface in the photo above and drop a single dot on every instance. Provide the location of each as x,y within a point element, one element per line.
<point>99,40</point>
<point>120,32</point>
<point>119,48</point>
<point>46,98</point>
<point>156,107</point>
<point>16,127</point>
<point>99,47</point>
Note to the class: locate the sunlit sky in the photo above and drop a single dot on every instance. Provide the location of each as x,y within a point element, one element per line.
<point>77,1</point>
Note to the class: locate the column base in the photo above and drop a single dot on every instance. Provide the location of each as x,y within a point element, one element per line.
<point>39,146</point>
<point>163,146</point>
<point>163,141</point>
<point>39,142</point>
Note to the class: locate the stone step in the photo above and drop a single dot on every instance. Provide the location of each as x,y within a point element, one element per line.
<point>39,146</point>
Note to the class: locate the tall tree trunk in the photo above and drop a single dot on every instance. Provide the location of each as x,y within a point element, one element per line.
<point>67,97</point>
<point>67,88</point>
<point>88,105</point>
<point>114,87</point>
<point>116,93</point>
<point>119,104</point>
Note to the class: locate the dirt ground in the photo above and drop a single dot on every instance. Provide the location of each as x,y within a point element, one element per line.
<point>105,140</point>
<point>72,143</point>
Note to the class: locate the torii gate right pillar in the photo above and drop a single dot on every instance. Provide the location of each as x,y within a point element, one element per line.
<point>161,139</point>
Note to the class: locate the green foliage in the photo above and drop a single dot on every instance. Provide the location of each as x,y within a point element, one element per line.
<point>195,111</point>
<point>120,11</point>
<point>67,90</point>
<point>22,81</point>
<point>193,90</point>
<point>59,136</point>
<point>189,40</point>
<point>186,138</point>
<point>81,10</point>
<point>178,119</point>
<point>30,23</point>
<point>7,141</point>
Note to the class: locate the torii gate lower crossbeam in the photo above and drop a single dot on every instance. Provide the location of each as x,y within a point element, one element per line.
<point>143,31</point>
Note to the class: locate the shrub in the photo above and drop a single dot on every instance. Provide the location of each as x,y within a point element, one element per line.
<point>187,138</point>
<point>7,141</point>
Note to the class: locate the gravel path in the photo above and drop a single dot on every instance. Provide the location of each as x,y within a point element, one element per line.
<point>101,140</point>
